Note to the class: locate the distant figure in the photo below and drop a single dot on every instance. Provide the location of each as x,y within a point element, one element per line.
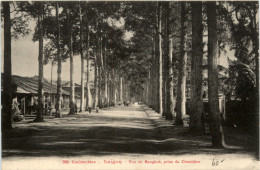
<point>30,107</point>
<point>124,103</point>
<point>97,109</point>
<point>34,107</point>
<point>46,108</point>
<point>89,109</point>
<point>75,108</point>
<point>49,108</point>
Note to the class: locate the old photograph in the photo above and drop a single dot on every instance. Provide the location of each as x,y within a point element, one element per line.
<point>129,85</point>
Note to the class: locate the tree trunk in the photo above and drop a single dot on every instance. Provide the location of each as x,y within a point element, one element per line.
<point>105,77</point>
<point>100,71</point>
<point>214,114</point>
<point>108,89</point>
<point>7,88</point>
<point>39,117</point>
<point>99,81</point>
<point>127,91</point>
<point>82,97</point>
<point>255,38</point>
<point>113,87</point>
<point>164,57</point>
<point>149,88</point>
<point>51,70</point>
<point>196,70</point>
<point>95,85</point>
<point>154,77</point>
<point>145,94</point>
<point>181,86</point>
<point>170,81</point>
<point>168,69</point>
<point>160,83</point>
<point>121,90</point>
<point>59,88</point>
<point>72,88</point>
<point>88,93</point>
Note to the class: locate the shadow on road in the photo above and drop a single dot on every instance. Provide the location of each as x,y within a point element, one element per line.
<point>114,131</point>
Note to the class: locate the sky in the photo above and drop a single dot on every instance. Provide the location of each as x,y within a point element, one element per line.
<point>25,61</point>
<point>25,56</point>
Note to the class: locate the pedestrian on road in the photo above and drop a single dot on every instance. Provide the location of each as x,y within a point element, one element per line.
<point>76,108</point>
<point>89,109</point>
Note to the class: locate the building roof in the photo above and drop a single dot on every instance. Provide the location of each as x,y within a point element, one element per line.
<point>76,85</point>
<point>67,84</point>
<point>77,91</point>
<point>29,85</point>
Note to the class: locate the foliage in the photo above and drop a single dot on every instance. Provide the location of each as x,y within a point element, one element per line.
<point>239,19</point>
<point>132,58</point>
<point>242,81</point>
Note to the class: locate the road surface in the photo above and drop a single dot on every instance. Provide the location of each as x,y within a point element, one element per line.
<point>134,133</point>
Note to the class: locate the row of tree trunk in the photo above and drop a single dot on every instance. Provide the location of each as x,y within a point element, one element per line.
<point>107,84</point>
<point>159,88</point>
<point>158,91</point>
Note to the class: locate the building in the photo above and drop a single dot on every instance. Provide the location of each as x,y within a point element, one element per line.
<point>25,93</point>
<point>66,87</point>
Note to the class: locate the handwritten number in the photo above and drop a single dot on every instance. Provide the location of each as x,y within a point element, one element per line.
<point>216,163</point>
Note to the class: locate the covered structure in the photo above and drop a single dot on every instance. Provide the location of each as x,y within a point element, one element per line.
<point>25,94</point>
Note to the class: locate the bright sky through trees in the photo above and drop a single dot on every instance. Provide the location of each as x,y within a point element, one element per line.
<point>25,48</point>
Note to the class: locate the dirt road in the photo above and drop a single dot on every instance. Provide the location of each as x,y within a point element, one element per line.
<point>116,134</point>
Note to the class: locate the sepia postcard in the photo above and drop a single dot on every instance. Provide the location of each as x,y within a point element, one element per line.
<point>129,85</point>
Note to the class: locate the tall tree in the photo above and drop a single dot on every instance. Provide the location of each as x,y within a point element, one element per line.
<point>72,86</point>
<point>82,62</point>
<point>121,89</point>
<point>165,44</point>
<point>95,97</point>
<point>196,69</point>
<point>7,89</point>
<point>181,86</point>
<point>155,75</point>
<point>214,114</point>
<point>109,89</point>
<point>105,73</point>
<point>113,83</point>
<point>100,69</point>
<point>160,76</point>
<point>59,88</point>
<point>88,94</point>
<point>255,36</point>
<point>113,87</point>
<point>39,117</point>
<point>169,112</point>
